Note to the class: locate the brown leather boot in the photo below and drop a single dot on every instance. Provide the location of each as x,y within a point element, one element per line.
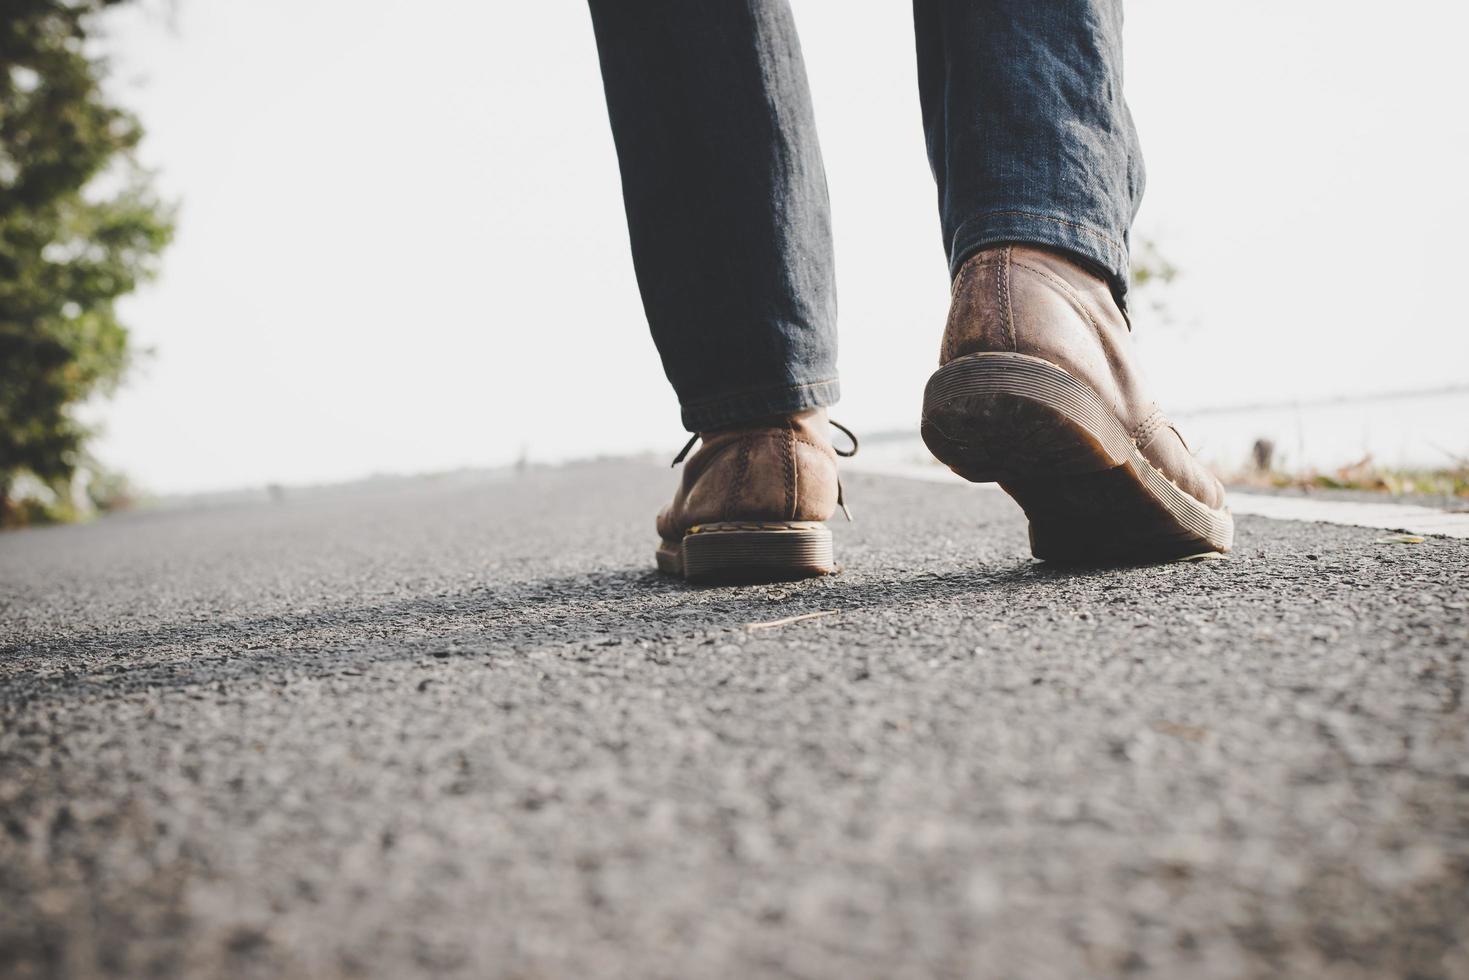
<point>1039,390</point>
<point>751,504</point>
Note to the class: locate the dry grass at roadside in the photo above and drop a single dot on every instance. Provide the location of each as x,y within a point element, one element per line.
<point>1364,474</point>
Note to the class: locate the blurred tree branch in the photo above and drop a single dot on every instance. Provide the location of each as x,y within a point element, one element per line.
<point>1151,275</point>
<point>79,227</point>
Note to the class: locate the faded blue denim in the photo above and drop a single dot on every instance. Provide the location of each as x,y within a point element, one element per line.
<point>1028,136</point>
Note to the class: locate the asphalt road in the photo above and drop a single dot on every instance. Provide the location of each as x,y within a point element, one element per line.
<point>457,727</point>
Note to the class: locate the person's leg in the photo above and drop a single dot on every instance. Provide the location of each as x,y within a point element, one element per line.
<point>731,238</point>
<point>726,202</point>
<point>1039,387</point>
<point>1028,134</point>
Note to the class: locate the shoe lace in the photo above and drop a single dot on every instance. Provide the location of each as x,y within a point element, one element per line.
<point>845,453</point>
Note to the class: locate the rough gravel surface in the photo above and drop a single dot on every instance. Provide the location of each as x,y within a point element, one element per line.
<point>457,727</point>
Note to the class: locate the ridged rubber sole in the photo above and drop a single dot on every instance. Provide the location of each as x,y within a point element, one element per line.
<point>1049,441</point>
<point>746,551</point>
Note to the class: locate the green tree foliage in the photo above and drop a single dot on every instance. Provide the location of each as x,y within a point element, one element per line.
<point>79,227</point>
<point>1152,273</point>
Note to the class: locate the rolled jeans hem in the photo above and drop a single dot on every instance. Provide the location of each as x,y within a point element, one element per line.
<point>1033,228</point>
<point>747,406</point>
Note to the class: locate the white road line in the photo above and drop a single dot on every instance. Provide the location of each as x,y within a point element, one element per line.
<point>1395,517</point>
<point>1406,517</point>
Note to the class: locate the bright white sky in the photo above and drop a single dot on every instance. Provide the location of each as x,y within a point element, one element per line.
<point>402,245</point>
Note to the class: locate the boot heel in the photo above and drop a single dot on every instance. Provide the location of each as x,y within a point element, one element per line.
<point>996,417</point>
<point>1052,444</point>
<point>734,551</point>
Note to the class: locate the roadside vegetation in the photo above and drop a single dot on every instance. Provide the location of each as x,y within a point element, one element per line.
<point>1362,475</point>
<point>80,226</point>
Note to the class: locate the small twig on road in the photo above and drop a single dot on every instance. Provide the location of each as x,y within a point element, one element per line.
<point>789,620</point>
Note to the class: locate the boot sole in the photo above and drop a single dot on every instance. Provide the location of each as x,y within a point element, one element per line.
<point>1051,443</point>
<point>749,551</point>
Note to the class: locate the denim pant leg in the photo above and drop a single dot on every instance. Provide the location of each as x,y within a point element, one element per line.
<point>726,202</point>
<point>1028,135</point>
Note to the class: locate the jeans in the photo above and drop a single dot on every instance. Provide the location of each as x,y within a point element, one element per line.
<point>1028,136</point>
